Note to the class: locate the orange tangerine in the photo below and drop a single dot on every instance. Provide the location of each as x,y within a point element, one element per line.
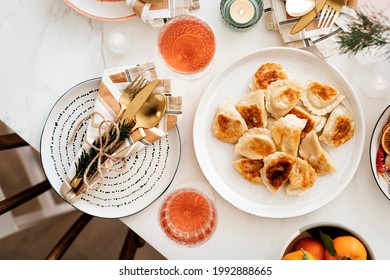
<point>347,248</point>
<point>301,255</point>
<point>313,246</point>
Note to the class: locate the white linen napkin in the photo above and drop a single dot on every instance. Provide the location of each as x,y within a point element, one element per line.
<point>157,14</point>
<point>276,18</point>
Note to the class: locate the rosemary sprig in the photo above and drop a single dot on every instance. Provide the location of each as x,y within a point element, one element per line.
<point>87,156</point>
<point>367,31</point>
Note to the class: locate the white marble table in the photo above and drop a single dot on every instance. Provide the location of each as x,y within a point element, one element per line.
<point>46,48</point>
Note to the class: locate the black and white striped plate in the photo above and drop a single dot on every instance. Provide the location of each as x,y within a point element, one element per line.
<point>148,172</point>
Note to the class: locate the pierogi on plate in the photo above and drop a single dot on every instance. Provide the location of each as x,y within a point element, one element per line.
<point>228,124</point>
<point>266,75</point>
<point>281,130</point>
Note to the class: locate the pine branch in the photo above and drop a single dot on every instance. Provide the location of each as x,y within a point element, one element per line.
<point>86,157</point>
<point>366,32</point>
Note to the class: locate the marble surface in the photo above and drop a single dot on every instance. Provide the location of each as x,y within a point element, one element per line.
<point>47,47</point>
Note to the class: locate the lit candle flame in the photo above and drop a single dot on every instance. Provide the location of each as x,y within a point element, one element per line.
<point>242,11</point>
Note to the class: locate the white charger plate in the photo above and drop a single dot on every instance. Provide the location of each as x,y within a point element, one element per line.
<point>101,10</point>
<point>148,174</point>
<point>374,145</point>
<point>215,157</point>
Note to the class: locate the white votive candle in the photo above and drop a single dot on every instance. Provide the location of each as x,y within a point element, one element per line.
<point>242,11</point>
<point>119,42</point>
<point>375,85</point>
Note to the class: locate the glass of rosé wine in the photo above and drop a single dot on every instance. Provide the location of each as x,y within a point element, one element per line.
<point>188,215</point>
<point>186,44</point>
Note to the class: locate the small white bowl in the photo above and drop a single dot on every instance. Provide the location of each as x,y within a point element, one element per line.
<point>332,229</point>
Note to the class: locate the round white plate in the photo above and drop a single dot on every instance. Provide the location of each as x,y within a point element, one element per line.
<point>374,145</point>
<point>215,157</point>
<point>148,174</point>
<point>101,10</point>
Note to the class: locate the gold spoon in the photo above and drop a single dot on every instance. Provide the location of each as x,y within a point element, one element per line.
<point>151,112</point>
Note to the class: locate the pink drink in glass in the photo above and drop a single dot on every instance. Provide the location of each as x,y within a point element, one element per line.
<point>186,44</point>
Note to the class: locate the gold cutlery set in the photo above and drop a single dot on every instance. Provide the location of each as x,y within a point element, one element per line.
<point>139,108</point>
<point>330,9</point>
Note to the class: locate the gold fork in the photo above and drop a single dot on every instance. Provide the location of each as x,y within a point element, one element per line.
<point>329,13</point>
<point>128,94</point>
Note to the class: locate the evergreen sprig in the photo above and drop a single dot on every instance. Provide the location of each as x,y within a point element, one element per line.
<point>367,31</point>
<point>87,156</point>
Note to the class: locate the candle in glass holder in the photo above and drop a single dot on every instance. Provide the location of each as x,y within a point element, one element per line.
<point>242,11</point>
<point>241,14</point>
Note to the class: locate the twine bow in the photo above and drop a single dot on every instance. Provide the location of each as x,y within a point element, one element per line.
<point>104,151</point>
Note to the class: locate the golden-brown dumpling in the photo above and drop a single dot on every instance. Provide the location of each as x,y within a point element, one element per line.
<point>339,127</point>
<point>228,125</point>
<point>286,133</point>
<point>302,178</point>
<point>281,97</point>
<point>303,114</point>
<point>320,98</point>
<point>267,74</point>
<point>311,150</point>
<point>255,144</point>
<point>249,169</point>
<point>276,170</point>
<point>252,109</point>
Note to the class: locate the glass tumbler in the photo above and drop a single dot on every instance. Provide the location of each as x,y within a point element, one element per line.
<point>374,83</point>
<point>186,44</point>
<point>188,216</point>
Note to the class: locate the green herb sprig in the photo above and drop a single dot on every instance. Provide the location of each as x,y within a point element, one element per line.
<point>367,31</point>
<point>87,156</point>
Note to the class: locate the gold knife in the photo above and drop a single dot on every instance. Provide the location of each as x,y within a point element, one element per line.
<point>138,100</point>
<point>309,17</point>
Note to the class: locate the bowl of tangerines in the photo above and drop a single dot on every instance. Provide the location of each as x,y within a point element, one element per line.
<point>326,242</point>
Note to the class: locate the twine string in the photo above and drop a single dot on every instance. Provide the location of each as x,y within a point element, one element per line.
<point>104,152</point>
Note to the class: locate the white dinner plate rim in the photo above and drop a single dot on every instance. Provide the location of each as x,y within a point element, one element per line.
<point>197,125</point>
<point>90,14</point>
<point>48,177</point>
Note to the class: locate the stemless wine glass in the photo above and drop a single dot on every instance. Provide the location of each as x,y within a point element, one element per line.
<point>188,215</point>
<point>186,44</point>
